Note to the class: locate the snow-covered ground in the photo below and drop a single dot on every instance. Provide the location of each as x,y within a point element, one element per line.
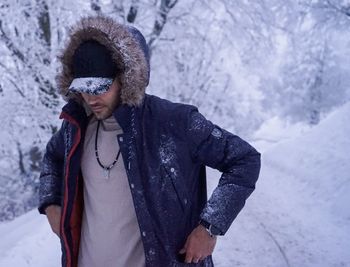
<point>299,213</point>
<point>297,216</point>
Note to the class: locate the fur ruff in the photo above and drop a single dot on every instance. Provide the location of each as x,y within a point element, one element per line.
<point>126,51</point>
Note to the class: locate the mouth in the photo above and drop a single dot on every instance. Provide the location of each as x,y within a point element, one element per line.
<point>96,108</point>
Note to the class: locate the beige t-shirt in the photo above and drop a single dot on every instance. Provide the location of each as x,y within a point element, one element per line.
<point>110,234</point>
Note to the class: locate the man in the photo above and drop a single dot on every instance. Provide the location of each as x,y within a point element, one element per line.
<point>123,181</point>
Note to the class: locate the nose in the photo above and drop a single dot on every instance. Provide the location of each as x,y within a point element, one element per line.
<point>90,99</point>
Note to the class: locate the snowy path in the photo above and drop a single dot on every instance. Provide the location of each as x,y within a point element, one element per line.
<point>276,230</point>
<point>247,242</point>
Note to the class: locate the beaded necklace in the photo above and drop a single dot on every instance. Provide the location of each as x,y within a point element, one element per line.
<point>106,169</point>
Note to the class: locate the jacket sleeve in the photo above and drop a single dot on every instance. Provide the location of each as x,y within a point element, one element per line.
<point>51,175</point>
<point>236,159</point>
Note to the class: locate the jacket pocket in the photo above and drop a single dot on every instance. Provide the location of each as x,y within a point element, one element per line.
<point>178,187</point>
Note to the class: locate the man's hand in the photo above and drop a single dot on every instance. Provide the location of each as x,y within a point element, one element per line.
<point>199,245</point>
<point>53,213</point>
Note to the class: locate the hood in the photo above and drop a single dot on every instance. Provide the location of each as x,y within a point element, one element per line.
<point>128,49</point>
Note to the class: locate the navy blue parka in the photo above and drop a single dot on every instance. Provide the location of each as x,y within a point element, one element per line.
<point>165,147</point>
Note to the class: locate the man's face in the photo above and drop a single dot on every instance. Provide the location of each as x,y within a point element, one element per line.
<point>103,105</point>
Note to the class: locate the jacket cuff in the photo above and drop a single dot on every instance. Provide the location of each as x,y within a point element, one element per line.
<point>224,205</point>
<point>48,202</point>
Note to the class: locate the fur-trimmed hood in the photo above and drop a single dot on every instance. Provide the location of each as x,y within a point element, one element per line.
<point>128,49</point>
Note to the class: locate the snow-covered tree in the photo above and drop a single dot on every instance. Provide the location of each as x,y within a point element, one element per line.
<point>240,62</point>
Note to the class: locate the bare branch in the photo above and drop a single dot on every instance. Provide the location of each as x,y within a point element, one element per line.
<point>96,6</point>
<point>133,11</point>
<point>161,19</point>
<point>44,22</point>
<point>341,9</point>
<point>118,8</point>
<point>9,44</point>
<point>45,86</point>
<point>17,88</point>
<point>20,159</point>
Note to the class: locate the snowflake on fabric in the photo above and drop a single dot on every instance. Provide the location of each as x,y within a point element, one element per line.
<point>167,150</point>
